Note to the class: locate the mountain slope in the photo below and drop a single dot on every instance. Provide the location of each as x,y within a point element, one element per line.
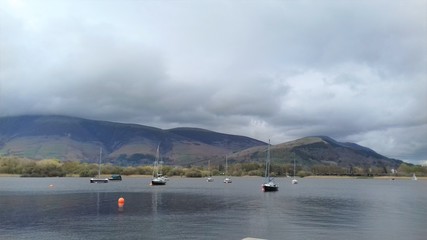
<point>70,138</point>
<point>318,150</point>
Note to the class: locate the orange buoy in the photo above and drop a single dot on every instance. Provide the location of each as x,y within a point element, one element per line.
<point>121,201</point>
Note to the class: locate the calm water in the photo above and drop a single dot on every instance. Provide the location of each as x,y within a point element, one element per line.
<point>195,209</point>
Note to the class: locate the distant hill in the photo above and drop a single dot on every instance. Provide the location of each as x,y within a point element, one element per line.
<point>318,150</point>
<point>70,138</point>
<point>77,139</point>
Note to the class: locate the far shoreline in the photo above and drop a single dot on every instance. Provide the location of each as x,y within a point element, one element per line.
<point>364,177</point>
<point>306,177</point>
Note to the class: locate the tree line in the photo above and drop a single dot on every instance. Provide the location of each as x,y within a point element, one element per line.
<point>57,168</point>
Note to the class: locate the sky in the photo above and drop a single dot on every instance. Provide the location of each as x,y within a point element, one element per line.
<point>353,70</point>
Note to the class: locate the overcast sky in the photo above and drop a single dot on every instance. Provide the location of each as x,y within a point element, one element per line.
<point>352,70</point>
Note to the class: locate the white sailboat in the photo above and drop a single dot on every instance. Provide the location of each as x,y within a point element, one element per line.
<point>294,181</point>
<point>414,177</point>
<point>158,178</point>
<point>269,185</point>
<point>99,179</point>
<point>210,178</point>
<point>227,178</point>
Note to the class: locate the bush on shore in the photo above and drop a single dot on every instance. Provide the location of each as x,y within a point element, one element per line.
<point>56,168</point>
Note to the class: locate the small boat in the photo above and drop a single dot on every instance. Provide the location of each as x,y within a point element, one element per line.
<point>158,181</point>
<point>294,181</point>
<point>414,177</point>
<point>227,179</point>
<point>210,178</point>
<point>115,177</point>
<point>99,179</point>
<point>158,178</point>
<point>269,185</point>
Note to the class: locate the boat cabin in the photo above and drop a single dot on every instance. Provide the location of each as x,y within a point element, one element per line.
<point>115,177</point>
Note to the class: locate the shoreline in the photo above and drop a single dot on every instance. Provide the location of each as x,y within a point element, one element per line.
<point>307,177</point>
<point>363,177</point>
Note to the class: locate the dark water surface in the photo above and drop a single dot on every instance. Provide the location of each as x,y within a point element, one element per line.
<point>194,209</point>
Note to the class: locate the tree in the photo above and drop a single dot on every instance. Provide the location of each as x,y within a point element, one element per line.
<point>71,167</point>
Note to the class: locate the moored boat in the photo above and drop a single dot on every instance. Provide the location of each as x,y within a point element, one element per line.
<point>269,185</point>
<point>227,178</point>
<point>115,177</point>
<point>99,179</point>
<point>294,181</point>
<point>210,178</point>
<point>158,179</point>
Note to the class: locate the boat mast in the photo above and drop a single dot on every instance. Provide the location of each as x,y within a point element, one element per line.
<point>156,163</point>
<point>294,167</point>
<point>226,166</point>
<point>99,164</point>
<point>267,164</point>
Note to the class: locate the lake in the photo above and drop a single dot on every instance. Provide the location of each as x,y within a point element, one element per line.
<point>73,208</point>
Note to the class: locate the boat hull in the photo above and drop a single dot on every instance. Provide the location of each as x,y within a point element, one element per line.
<point>227,180</point>
<point>99,180</point>
<point>270,188</point>
<point>158,182</point>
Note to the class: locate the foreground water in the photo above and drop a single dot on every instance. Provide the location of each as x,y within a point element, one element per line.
<point>72,208</point>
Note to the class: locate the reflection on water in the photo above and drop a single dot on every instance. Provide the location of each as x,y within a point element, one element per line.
<point>333,211</point>
<point>194,209</point>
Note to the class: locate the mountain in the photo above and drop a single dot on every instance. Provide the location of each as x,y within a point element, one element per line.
<point>318,150</point>
<point>77,139</point>
<point>71,138</point>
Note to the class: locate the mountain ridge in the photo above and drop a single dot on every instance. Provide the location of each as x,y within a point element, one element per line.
<point>78,139</point>
<point>23,135</point>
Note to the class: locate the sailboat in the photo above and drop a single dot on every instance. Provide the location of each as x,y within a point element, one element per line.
<point>158,178</point>
<point>294,181</point>
<point>210,178</point>
<point>99,179</point>
<point>414,177</point>
<point>227,178</point>
<point>269,185</point>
